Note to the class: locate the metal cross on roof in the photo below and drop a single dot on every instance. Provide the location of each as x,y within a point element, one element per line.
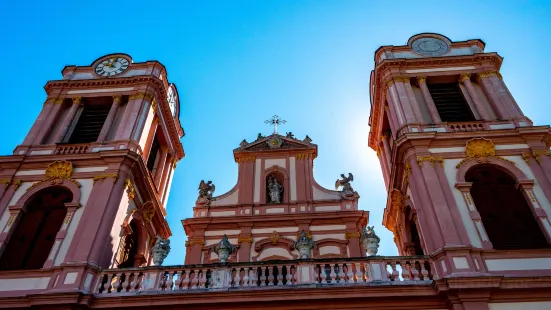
<point>275,120</point>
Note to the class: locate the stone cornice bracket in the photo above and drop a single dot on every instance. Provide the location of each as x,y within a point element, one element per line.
<point>432,159</point>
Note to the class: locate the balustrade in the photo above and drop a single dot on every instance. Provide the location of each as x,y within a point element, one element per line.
<point>71,149</point>
<point>264,274</point>
<point>470,126</point>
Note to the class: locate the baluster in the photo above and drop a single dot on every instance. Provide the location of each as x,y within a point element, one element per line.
<point>414,270</point>
<point>162,280</point>
<point>271,276</point>
<point>317,273</point>
<point>263,276</point>
<point>246,276</point>
<point>101,288</point>
<point>405,271</point>
<point>170,281</point>
<point>202,278</point>
<point>341,274</point>
<point>130,281</point>
<point>349,274</point>
<point>394,275</point>
<point>138,282</point>
<point>279,278</point>
<point>178,280</point>
<point>117,282</point>
<point>424,271</point>
<point>289,275</point>
<point>253,277</point>
<point>359,273</point>
<point>185,280</point>
<point>237,279</point>
<point>195,280</point>
<point>368,272</point>
<point>332,274</point>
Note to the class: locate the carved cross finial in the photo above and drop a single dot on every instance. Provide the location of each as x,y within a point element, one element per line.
<point>275,120</point>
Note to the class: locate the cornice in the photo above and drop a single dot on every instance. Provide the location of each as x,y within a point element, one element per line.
<point>158,86</point>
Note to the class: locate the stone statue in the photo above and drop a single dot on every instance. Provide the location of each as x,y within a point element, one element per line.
<point>370,240</point>
<point>160,250</point>
<point>290,135</point>
<point>347,190</point>
<point>243,143</point>
<point>205,192</point>
<point>307,139</point>
<point>224,249</point>
<point>304,245</point>
<point>275,190</point>
<point>260,136</point>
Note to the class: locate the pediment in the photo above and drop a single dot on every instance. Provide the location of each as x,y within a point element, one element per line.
<point>276,142</point>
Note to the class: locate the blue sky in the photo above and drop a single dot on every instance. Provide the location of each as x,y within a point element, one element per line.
<point>236,63</point>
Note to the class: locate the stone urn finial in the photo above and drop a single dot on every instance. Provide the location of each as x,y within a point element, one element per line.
<point>304,245</point>
<point>224,249</point>
<point>160,250</point>
<point>370,240</point>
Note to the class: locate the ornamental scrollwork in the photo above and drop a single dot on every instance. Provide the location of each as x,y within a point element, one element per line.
<point>115,176</point>
<point>432,159</point>
<point>483,150</point>
<point>56,172</point>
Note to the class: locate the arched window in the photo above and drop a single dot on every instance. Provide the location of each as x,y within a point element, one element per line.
<point>130,249</point>
<point>34,236</point>
<point>275,192</point>
<point>507,217</point>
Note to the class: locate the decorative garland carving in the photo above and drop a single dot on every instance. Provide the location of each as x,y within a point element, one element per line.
<point>245,159</point>
<point>130,190</point>
<point>56,172</point>
<point>431,159</point>
<point>115,176</point>
<point>148,211</point>
<point>483,150</point>
<point>397,198</point>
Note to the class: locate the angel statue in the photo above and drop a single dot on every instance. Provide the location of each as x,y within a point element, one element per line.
<point>205,192</point>
<point>347,190</point>
<point>160,250</point>
<point>274,190</point>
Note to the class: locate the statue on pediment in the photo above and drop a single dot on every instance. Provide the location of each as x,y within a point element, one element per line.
<point>205,192</point>
<point>347,190</point>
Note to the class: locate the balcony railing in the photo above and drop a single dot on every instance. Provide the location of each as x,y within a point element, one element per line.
<point>293,273</point>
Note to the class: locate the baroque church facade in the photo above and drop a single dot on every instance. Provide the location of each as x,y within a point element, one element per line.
<point>468,175</point>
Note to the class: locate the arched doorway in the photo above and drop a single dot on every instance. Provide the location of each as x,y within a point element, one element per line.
<point>34,236</point>
<point>507,217</point>
<point>130,249</point>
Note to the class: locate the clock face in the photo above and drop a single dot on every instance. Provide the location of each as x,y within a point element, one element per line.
<point>112,66</point>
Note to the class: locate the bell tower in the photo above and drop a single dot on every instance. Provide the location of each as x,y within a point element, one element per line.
<point>87,187</point>
<point>468,175</point>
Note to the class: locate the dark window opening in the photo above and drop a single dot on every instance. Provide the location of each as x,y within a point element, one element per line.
<point>507,217</point>
<point>130,249</point>
<point>450,103</point>
<point>155,146</point>
<point>34,236</point>
<point>90,122</point>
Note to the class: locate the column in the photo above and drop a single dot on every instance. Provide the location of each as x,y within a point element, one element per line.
<point>160,167</point>
<point>465,189</point>
<point>494,99</point>
<point>110,118</point>
<point>539,213</point>
<point>386,146</point>
<point>413,100</point>
<point>465,78</point>
<point>391,120</point>
<point>502,91</point>
<point>48,122</point>
<point>394,104</point>
<point>166,171</point>
<point>60,236</point>
<point>40,120</point>
<point>422,81</point>
<point>68,120</point>
<point>402,99</point>
<point>244,253</point>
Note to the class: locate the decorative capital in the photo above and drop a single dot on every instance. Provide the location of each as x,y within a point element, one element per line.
<point>141,95</point>
<point>301,156</point>
<point>115,176</point>
<point>174,162</point>
<point>421,79</point>
<point>249,240</point>
<point>77,100</point>
<point>464,76</point>
<point>117,98</point>
<point>245,159</point>
<point>432,159</point>
<point>385,135</point>
<point>389,82</point>
<point>350,235</point>
<point>154,106</point>
<point>5,182</point>
<point>59,101</point>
